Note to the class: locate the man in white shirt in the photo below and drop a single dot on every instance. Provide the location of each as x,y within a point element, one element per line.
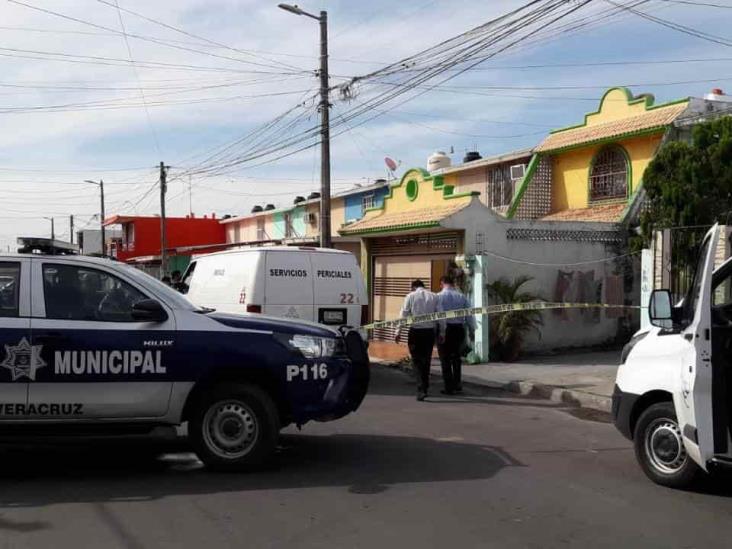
<point>421,337</point>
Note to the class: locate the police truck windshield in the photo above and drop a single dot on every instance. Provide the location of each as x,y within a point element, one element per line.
<point>171,296</point>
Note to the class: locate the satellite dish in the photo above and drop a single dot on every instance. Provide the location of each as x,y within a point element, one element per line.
<point>391,164</point>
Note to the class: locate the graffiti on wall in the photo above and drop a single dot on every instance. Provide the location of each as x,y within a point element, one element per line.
<point>578,287</point>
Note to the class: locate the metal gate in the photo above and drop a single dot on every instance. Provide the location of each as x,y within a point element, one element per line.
<point>675,255</point>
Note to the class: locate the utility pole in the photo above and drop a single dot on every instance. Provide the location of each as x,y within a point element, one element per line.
<point>325,240</point>
<point>100,184</point>
<point>53,232</point>
<point>101,221</point>
<point>325,236</point>
<point>163,228</point>
<point>71,228</point>
<point>190,198</point>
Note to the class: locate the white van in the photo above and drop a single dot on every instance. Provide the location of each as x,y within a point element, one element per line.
<point>318,284</point>
<point>673,393</point>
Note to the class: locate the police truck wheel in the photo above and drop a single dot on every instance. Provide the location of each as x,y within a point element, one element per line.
<point>235,428</point>
<point>660,450</point>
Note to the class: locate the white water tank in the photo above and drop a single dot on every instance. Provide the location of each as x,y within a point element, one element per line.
<point>718,95</point>
<point>438,160</point>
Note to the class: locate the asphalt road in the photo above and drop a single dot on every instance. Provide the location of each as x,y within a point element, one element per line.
<point>486,470</point>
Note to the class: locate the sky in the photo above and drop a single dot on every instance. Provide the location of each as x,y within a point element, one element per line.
<point>73,107</point>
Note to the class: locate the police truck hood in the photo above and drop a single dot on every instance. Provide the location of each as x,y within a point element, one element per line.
<point>274,324</point>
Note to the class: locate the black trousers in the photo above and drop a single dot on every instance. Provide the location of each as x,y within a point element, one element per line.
<point>450,359</point>
<point>420,342</point>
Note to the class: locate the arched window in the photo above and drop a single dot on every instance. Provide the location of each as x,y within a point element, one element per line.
<point>609,174</point>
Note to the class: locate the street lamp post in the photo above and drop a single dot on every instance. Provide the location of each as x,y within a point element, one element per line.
<point>100,183</point>
<point>325,236</point>
<point>53,232</point>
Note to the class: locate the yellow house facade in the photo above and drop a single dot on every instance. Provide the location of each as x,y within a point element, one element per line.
<point>593,170</point>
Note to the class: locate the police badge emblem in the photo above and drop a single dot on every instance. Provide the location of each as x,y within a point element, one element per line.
<point>23,359</point>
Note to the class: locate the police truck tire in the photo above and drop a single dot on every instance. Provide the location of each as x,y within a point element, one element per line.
<point>659,448</point>
<point>235,428</point>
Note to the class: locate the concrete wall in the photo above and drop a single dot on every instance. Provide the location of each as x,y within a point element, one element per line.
<point>552,264</point>
<point>471,180</point>
<point>245,229</point>
<point>90,240</point>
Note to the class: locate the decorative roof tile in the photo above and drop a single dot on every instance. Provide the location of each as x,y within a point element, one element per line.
<point>601,213</point>
<point>404,220</point>
<point>656,118</point>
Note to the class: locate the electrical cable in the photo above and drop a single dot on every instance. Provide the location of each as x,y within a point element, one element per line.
<point>136,36</point>
<point>191,35</point>
<point>153,132</point>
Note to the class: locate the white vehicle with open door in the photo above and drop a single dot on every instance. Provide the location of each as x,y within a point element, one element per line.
<point>671,393</point>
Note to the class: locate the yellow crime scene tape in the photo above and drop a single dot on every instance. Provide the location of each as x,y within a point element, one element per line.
<point>491,310</point>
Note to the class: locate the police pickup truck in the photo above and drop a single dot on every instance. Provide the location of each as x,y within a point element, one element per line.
<point>92,345</point>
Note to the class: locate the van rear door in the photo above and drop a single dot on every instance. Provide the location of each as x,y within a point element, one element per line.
<point>289,285</point>
<point>693,397</point>
<point>339,289</point>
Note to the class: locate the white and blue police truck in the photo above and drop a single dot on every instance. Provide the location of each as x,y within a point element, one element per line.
<point>673,392</point>
<point>93,345</point>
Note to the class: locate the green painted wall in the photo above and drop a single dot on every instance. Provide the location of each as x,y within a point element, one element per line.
<point>278,225</point>
<point>298,222</point>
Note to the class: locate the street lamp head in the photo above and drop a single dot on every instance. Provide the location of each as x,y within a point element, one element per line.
<point>92,182</point>
<point>292,9</point>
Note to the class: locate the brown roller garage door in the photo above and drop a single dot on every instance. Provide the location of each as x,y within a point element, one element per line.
<point>393,274</point>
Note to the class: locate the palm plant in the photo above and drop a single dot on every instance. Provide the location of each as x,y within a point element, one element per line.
<point>507,330</point>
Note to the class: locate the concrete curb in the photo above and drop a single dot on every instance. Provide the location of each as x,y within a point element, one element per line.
<point>530,388</point>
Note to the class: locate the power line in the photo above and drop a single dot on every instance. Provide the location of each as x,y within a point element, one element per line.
<point>136,36</point>
<point>117,62</point>
<point>466,50</point>
<point>464,134</point>
<point>191,35</point>
<point>676,26</point>
<point>694,3</point>
<point>112,105</point>
<point>137,77</point>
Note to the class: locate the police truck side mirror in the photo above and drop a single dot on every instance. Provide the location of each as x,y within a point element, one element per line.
<point>149,310</point>
<point>660,310</point>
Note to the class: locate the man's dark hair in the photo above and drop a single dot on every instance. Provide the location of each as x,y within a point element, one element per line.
<point>447,280</point>
<point>417,284</point>
<point>175,275</point>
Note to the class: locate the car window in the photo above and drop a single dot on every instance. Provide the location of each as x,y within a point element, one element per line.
<point>167,294</point>
<point>185,283</point>
<point>80,293</point>
<point>722,294</point>
<point>692,298</point>
<point>9,289</point>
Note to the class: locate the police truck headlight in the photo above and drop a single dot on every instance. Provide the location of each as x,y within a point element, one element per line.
<point>312,346</point>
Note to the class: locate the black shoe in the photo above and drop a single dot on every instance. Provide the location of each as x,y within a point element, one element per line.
<point>458,390</point>
<point>447,392</point>
<point>421,396</point>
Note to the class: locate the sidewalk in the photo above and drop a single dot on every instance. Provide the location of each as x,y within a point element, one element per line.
<point>582,378</point>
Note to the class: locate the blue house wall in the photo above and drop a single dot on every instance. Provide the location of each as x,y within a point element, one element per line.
<point>354,203</point>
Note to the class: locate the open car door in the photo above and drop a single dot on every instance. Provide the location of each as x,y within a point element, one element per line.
<point>693,398</point>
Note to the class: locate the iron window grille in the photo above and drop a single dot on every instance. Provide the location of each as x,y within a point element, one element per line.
<point>501,186</point>
<point>609,174</point>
